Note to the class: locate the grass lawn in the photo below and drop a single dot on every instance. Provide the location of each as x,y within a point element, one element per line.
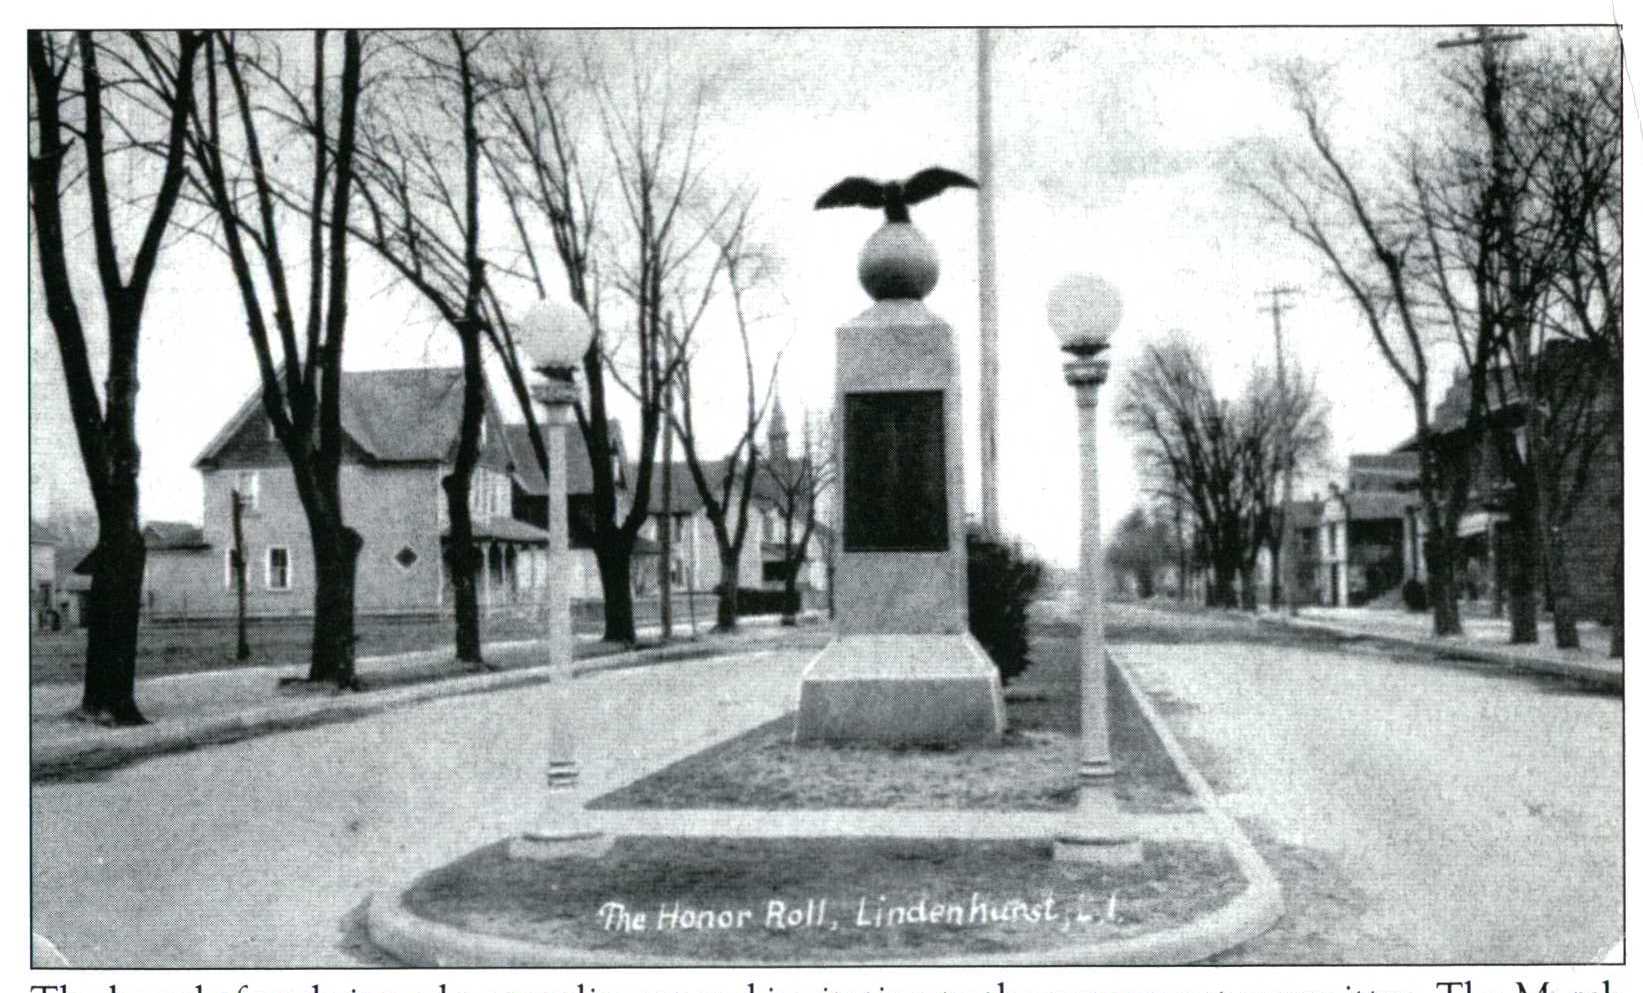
<point>201,646</point>
<point>1033,768</point>
<point>715,898</point>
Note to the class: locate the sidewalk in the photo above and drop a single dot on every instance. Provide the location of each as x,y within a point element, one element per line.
<point>1486,639</point>
<point>194,709</point>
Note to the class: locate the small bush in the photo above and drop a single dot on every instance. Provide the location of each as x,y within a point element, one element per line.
<point>1003,581</point>
<point>1414,595</point>
<point>752,601</point>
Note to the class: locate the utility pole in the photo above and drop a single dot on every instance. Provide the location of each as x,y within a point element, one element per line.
<point>988,277</point>
<point>1500,236</point>
<point>1284,569</point>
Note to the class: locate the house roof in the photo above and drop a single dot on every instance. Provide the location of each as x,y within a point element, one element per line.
<point>1306,513</point>
<point>393,415</point>
<point>578,465</point>
<point>506,529</point>
<point>1394,470</point>
<point>687,499</point>
<point>1378,505</point>
<point>158,536</point>
<point>172,536</point>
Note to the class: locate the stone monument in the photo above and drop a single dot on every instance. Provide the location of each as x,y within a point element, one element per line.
<point>902,667</point>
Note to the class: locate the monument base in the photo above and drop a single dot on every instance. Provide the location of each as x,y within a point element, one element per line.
<point>900,689</point>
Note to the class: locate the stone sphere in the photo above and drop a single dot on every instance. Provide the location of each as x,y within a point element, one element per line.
<point>898,263</point>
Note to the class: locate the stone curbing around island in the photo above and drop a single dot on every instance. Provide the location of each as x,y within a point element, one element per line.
<point>417,941</point>
<point>102,748</point>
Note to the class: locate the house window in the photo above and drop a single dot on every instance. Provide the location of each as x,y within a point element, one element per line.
<point>248,485</point>
<point>279,569</point>
<point>406,557</point>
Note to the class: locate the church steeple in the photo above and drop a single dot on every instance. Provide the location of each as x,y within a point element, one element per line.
<point>776,447</point>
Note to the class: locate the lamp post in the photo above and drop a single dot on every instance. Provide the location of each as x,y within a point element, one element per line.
<point>1084,311</point>
<point>555,337</point>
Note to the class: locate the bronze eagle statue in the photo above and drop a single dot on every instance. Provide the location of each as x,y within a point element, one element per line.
<point>894,197</point>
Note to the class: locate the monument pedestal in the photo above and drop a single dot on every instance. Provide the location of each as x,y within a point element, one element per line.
<point>901,689</point>
<point>902,668</point>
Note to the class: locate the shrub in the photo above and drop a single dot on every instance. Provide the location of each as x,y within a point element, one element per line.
<point>1414,595</point>
<point>1003,581</point>
<point>752,601</point>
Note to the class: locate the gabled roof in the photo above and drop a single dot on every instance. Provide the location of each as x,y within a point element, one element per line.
<point>578,466</point>
<point>1392,471</point>
<point>158,536</point>
<point>392,415</point>
<point>1373,505</point>
<point>172,535</point>
<point>1306,513</point>
<point>687,499</point>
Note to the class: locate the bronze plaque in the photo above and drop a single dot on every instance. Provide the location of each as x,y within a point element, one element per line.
<point>895,472</point>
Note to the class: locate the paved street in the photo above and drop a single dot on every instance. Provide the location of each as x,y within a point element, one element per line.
<point>255,854</point>
<point>1436,812</point>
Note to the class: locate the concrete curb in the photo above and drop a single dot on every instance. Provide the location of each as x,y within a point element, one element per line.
<point>418,941</point>
<point>108,747</point>
<point>1586,672</point>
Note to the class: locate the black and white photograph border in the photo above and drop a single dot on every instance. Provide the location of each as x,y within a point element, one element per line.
<point>1177,524</point>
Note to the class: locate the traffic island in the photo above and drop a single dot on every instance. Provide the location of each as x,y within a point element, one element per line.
<point>818,900</point>
<point>727,834</point>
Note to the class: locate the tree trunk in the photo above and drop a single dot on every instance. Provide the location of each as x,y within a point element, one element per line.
<point>1441,591</point>
<point>242,645</point>
<point>462,563</point>
<point>1565,632</point>
<point>616,582</point>
<point>664,529</point>
<point>336,564</point>
<point>1248,595</point>
<point>1522,607</point>
<point>729,587</point>
<point>114,609</point>
<point>1275,548</point>
<point>790,595</point>
<point>1223,583</point>
<point>1617,629</point>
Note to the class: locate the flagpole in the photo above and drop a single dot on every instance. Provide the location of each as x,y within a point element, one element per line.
<point>988,386</point>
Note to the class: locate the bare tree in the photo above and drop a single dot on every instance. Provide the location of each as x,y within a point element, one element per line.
<point>727,499</point>
<point>1286,422</point>
<point>1224,458</point>
<point>418,167</point>
<point>145,78</point>
<point>655,251</point>
<point>1579,101</point>
<point>302,384</point>
<point>1373,248</point>
<point>801,485</point>
<point>648,129</point>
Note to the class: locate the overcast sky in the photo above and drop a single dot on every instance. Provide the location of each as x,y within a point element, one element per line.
<point>1110,144</point>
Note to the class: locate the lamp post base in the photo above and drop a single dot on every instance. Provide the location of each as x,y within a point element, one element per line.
<point>1097,849</point>
<point>551,842</point>
<point>1094,833</point>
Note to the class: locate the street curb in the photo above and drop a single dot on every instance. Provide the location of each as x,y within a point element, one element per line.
<point>109,747</point>
<point>1596,675</point>
<point>420,942</point>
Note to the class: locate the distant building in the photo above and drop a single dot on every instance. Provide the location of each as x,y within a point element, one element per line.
<point>695,553</point>
<point>1590,538</point>
<point>43,588</point>
<point>400,429</point>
